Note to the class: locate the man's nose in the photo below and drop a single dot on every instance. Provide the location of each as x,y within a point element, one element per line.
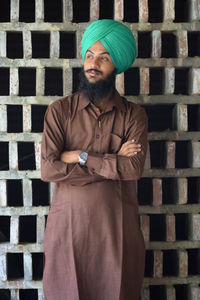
<point>95,64</point>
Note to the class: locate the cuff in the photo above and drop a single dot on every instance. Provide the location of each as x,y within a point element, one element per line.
<point>94,162</point>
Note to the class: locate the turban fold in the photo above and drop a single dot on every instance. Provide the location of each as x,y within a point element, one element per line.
<point>116,38</point>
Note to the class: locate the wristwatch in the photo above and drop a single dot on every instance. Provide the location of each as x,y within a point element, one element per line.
<point>82,158</point>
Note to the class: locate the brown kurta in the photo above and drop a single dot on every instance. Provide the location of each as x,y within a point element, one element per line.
<point>94,248</point>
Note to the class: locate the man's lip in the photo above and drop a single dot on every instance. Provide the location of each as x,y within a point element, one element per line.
<point>92,72</point>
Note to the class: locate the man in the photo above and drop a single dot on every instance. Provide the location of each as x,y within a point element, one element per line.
<point>93,147</point>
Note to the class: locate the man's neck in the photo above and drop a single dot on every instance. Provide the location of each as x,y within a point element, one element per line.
<point>102,103</point>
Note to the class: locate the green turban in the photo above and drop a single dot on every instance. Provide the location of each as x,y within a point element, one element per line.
<point>116,38</point>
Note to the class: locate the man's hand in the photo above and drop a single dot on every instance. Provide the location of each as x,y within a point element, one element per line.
<point>70,157</point>
<point>129,148</point>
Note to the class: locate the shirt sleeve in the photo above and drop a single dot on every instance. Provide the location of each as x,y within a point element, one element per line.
<point>53,144</point>
<point>116,167</point>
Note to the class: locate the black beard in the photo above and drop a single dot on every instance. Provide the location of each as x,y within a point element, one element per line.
<point>98,90</point>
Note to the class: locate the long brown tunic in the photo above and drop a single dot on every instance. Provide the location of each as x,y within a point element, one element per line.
<point>94,248</point>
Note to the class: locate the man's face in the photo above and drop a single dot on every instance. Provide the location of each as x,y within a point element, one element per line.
<point>98,63</point>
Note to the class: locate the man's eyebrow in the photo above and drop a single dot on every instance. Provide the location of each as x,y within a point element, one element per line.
<point>100,53</point>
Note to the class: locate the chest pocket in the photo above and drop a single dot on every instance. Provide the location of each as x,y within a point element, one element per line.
<point>115,143</point>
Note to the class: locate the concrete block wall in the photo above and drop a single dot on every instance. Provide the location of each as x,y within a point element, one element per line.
<point>40,57</point>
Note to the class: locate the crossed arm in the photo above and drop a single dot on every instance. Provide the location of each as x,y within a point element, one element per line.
<point>58,165</point>
<point>127,149</point>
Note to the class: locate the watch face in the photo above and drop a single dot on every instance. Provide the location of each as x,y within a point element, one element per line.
<point>83,155</point>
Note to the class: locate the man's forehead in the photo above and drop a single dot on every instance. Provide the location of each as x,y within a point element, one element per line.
<point>98,48</point>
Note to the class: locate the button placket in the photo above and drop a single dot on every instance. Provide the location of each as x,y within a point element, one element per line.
<point>98,128</point>
<point>99,132</point>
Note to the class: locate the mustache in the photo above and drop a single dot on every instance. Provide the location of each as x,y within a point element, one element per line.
<point>95,70</point>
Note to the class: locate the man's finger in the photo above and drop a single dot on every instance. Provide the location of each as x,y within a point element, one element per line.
<point>131,147</point>
<point>128,153</point>
<point>129,142</point>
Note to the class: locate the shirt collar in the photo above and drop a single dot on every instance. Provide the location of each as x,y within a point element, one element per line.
<point>116,101</point>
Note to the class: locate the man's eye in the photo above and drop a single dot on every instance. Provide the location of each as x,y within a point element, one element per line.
<point>104,58</point>
<point>89,56</point>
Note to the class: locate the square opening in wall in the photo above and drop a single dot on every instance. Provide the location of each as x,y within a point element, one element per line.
<point>182,154</point>
<point>5,11</point>
<point>4,229</point>
<point>40,192</point>
<point>4,84</point>
<point>168,41</point>
<point>181,11</point>
<point>182,227</point>
<point>15,266</point>
<point>4,156</point>
<point>27,229</point>
<point>194,190</point>
<point>157,292</point>
<point>53,11</point>
<point>194,262</point>
<point>26,156</point>
<point>5,294</point>
<point>132,81</point>
<point>27,81</point>
<point>106,9</point>
<point>144,44</point>
<point>27,11</point>
<point>148,264</point>
<point>159,117</point>
<point>169,190</point>
<point>145,191</point>
<point>131,11</point>
<point>76,79</point>
<point>67,44</point>
<point>155,11</point>
<point>181,291</point>
<point>157,227</point>
<point>14,192</point>
<point>157,154</point>
<point>14,45</point>
<point>193,43</point>
<point>28,294</point>
<point>181,81</point>
<point>37,265</point>
<point>156,81</point>
<point>193,117</point>
<point>81,11</point>
<point>14,118</point>
<point>37,117</point>
<point>53,82</point>
<point>40,44</point>
<point>170,263</point>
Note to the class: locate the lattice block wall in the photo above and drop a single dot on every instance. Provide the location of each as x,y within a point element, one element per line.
<point>40,59</point>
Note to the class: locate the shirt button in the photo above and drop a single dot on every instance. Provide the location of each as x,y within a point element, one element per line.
<point>97,136</point>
